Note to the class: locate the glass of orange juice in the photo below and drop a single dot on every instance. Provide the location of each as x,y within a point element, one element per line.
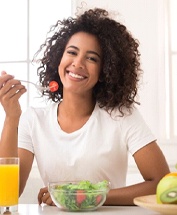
<point>9,184</point>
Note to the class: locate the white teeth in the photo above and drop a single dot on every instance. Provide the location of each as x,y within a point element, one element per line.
<point>75,75</point>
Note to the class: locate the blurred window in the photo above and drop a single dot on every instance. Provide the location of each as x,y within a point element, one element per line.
<point>23,26</point>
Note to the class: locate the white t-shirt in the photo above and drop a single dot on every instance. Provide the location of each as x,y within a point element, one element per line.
<point>97,151</point>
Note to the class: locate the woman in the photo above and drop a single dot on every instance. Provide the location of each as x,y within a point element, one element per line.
<point>92,124</point>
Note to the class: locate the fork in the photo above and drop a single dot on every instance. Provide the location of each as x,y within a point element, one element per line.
<point>38,87</point>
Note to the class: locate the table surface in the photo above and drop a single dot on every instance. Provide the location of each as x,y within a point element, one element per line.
<point>35,209</point>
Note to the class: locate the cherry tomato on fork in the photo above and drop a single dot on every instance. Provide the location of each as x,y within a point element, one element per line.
<point>53,85</point>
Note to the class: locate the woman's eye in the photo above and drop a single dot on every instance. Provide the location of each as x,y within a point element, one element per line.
<point>72,52</point>
<point>92,59</point>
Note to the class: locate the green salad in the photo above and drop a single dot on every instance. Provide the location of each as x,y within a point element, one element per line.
<point>81,196</point>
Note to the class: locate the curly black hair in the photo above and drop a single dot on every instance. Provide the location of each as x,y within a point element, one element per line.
<point>118,83</point>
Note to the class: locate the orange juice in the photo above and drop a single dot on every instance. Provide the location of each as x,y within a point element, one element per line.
<point>9,184</point>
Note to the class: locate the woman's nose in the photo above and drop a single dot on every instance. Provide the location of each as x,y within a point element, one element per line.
<point>78,63</point>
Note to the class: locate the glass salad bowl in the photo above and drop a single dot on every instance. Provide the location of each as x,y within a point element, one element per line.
<point>78,196</point>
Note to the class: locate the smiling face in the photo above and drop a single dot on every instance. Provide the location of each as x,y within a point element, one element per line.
<point>80,65</point>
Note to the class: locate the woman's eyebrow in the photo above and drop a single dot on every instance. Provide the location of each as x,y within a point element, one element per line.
<point>93,52</point>
<point>90,52</point>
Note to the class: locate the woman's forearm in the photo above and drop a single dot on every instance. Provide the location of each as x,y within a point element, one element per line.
<point>10,92</point>
<point>9,138</point>
<point>125,196</point>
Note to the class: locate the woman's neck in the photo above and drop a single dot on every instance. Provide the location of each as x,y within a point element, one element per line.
<point>73,113</point>
<point>76,105</point>
<point>75,108</point>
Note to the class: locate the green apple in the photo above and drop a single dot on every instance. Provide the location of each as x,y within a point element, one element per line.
<point>166,191</point>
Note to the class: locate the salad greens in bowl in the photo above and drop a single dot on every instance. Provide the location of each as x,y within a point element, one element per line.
<point>78,195</point>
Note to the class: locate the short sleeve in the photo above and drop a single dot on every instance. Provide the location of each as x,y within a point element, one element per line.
<point>136,132</point>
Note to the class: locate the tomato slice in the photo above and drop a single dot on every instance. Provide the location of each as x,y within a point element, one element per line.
<point>53,85</point>
<point>80,197</point>
<point>98,199</point>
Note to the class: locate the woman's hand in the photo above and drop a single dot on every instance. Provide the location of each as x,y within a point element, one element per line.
<point>10,92</point>
<point>44,197</point>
